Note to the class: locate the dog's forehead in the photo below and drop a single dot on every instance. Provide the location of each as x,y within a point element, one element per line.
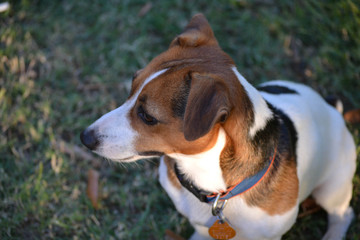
<point>164,85</point>
<point>178,62</point>
<point>165,96</point>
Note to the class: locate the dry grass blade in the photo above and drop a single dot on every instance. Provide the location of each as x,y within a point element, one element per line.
<point>145,9</point>
<point>308,207</point>
<point>92,189</point>
<point>170,235</point>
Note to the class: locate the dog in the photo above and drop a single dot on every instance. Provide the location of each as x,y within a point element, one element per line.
<point>232,156</point>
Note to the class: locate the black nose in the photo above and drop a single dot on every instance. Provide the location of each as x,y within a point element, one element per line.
<point>89,139</point>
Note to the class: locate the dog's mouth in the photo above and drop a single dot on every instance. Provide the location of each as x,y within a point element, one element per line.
<point>151,154</point>
<point>126,160</point>
<point>115,159</point>
<point>140,155</point>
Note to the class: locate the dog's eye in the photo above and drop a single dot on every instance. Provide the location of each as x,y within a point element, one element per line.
<point>149,120</point>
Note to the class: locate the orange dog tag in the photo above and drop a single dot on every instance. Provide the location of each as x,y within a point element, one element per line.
<point>221,231</point>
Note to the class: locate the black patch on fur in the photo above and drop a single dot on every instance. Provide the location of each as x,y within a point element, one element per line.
<point>279,131</point>
<point>288,133</point>
<point>178,103</point>
<point>276,89</point>
<point>331,100</point>
<point>266,140</point>
<point>267,136</point>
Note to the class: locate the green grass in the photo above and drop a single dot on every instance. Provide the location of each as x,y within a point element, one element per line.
<point>64,63</point>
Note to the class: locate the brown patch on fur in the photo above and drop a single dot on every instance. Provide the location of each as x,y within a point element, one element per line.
<point>237,158</point>
<point>276,193</point>
<point>170,165</point>
<point>179,100</point>
<point>228,163</point>
<point>279,192</point>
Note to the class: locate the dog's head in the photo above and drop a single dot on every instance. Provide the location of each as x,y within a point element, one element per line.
<point>177,103</point>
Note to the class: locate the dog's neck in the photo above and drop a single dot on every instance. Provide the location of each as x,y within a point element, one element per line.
<point>260,109</point>
<point>238,152</point>
<point>204,169</point>
<point>252,132</point>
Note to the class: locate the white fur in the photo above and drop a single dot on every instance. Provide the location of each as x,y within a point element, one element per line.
<point>203,169</point>
<point>114,131</point>
<point>261,112</point>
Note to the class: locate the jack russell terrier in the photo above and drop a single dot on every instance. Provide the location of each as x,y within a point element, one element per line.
<point>236,160</point>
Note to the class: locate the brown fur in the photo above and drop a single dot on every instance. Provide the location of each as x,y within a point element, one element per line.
<point>278,191</point>
<point>170,164</point>
<point>284,194</point>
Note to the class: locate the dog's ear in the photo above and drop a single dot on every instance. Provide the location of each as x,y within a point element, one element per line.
<point>198,32</point>
<point>208,103</point>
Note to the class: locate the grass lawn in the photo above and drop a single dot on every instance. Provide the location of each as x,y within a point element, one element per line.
<point>65,63</point>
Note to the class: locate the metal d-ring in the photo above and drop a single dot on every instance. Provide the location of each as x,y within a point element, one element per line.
<point>217,210</point>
